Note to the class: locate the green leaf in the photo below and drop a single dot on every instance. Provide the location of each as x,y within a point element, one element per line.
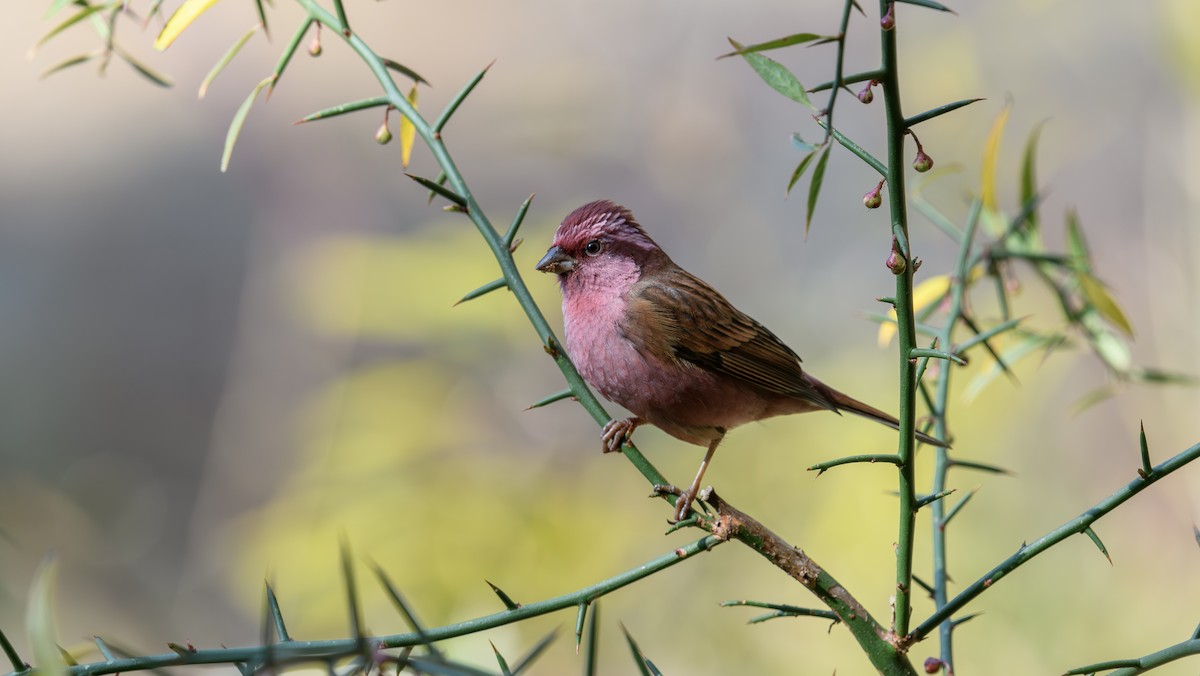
<point>1076,244</point>
<point>71,21</point>
<point>774,74</point>
<point>226,59</point>
<point>509,604</point>
<point>73,61</point>
<point>1112,350</point>
<point>1029,191</point>
<point>343,108</point>
<point>55,8</point>
<point>504,670</point>
<point>409,614</point>
<point>459,98</point>
<point>1096,396</point>
<point>405,71</point>
<point>535,652</point>
<point>644,666</point>
<point>1153,375</point>
<point>814,188</point>
<point>439,189</point>
<point>1098,297</point>
<point>142,69</point>
<point>798,38</point>
<point>39,621</point>
<point>289,51</point>
<point>800,169</point>
<point>239,119</point>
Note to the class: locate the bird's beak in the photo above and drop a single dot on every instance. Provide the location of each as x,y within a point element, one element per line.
<point>557,261</point>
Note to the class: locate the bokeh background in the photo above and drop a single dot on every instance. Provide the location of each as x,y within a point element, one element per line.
<point>208,378</point>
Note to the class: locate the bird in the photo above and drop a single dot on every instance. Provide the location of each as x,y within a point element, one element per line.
<point>659,341</point>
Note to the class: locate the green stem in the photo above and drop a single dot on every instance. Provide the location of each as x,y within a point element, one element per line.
<point>890,83</point>
<point>837,72</point>
<point>1075,526</point>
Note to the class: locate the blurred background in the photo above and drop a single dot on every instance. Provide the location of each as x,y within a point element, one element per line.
<point>209,378</point>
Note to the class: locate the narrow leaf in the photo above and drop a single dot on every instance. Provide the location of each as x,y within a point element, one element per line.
<point>39,620</point>
<point>459,98</point>
<point>991,154</point>
<point>504,598</point>
<point>982,467</point>
<point>814,188</point>
<point>953,511</point>
<point>1076,244</point>
<point>183,17</point>
<point>55,8</point>
<point>14,659</point>
<point>226,59</point>
<point>276,615</point>
<point>504,670</point>
<point>800,169</point>
<point>1152,375</point>
<point>800,144</point>
<point>1098,297</point>
<point>239,119</point>
<point>351,591</point>
<point>405,71</point>
<point>638,657</point>
<point>443,191</point>
<point>776,76</point>
<point>486,288</point>
<point>580,616</point>
<point>408,132</point>
<point>535,652</point>
<point>142,69</point>
<point>405,609</point>
<point>934,112</point>
<point>511,235</point>
<point>1099,545</point>
<point>71,21</point>
<point>342,109</point>
<point>289,51</point>
<point>1029,191</point>
<point>262,17</point>
<point>73,61</point>
<point>1147,468</point>
<point>798,38</point>
<point>591,650</point>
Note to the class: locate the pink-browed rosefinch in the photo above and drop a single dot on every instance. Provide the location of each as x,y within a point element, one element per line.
<point>660,342</point>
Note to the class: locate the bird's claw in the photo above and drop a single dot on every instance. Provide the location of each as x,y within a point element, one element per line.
<point>617,432</point>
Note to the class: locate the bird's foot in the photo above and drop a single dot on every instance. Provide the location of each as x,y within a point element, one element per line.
<point>683,503</point>
<point>617,432</point>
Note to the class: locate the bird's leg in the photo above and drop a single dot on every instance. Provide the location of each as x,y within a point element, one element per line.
<point>617,432</point>
<point>684,503</point>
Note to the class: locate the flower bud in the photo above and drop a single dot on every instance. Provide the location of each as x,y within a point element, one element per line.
<point>933,665</point>
<point>888,22</point>
<point>314,47</point>
<point>866,95</point>
<point>872,200</point>
<point>922,162</point>
<point>383,134</point>
<point>895,263</point>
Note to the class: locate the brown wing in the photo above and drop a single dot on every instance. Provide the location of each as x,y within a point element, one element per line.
<point>676,316</point>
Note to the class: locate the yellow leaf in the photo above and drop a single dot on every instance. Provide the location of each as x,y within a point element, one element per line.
<point>180,20</point>
<point>929,291</point>
<point>408,133</point>
<point>39,621</point>
<point>991,153</point>
<point>1105,304</point>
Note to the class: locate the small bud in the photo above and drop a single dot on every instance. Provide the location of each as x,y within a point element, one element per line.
<point>866,95</point>
<point>933,665</point>
<point>872,200</point>
<point>383,135</point>
<point>314,47</point>
<point>895,263</point>
<point>888,22</point>
<point>922,162</point>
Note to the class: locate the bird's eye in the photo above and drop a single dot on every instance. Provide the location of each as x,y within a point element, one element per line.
<point>593,247</point>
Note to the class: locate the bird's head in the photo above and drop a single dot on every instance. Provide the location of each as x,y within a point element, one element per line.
<point>599,241</point>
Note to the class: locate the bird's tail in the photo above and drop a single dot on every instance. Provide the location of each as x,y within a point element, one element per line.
<point>847,403</point>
